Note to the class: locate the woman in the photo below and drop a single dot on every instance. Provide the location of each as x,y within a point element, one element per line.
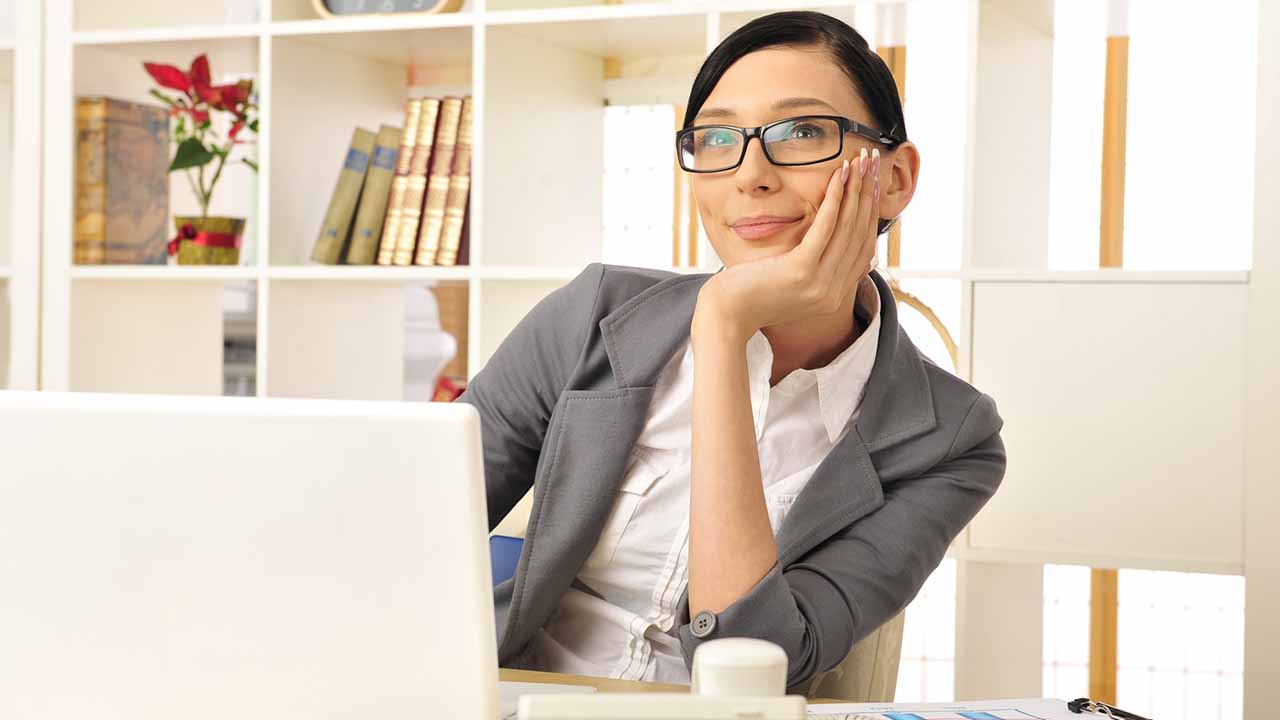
<point>756,452</point>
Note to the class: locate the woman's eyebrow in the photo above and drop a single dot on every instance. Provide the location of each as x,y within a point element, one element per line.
<point>784,104</point>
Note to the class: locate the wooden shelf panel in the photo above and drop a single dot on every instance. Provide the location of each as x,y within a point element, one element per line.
<point>374,273</point>
<point>164,272</point>
<point>516,273</point>
<point>167,34</point>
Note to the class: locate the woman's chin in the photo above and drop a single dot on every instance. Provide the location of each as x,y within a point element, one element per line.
<point>771,247</point>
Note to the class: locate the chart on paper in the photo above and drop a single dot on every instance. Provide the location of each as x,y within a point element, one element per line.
<point>1023,709</point>
<point>1009,714</point>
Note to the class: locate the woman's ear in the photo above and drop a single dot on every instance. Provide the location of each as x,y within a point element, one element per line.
<point>903,170</point>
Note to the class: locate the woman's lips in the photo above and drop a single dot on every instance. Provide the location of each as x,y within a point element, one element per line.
<point>759,230</point>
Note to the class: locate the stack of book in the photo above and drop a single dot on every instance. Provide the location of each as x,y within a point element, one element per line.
<point>402,195</point>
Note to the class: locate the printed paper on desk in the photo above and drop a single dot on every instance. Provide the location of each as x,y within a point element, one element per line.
<point>1023,709</point>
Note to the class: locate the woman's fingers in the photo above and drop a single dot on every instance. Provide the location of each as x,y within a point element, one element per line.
<point>815,240</point>
<point>848,229</point>
<point>857,263</point>
<point>863,230</point>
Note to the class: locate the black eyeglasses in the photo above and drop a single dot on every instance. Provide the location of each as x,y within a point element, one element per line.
<point>803,140</point>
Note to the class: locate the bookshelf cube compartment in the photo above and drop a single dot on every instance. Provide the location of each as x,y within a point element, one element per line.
<point>115,70</point>
<point>149,336</point>
<point>352,340</point>
<point>503,304</point>
<point>7,170</point>
<point>327,84</point>
<point>124,15</point>
<point>543,131</point>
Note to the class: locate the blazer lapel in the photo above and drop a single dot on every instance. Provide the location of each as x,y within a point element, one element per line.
<point>896,407</point>
<point>586,450</point>
<point>593,430</point>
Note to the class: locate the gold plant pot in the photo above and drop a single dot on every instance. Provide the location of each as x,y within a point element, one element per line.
<point>208,240</point>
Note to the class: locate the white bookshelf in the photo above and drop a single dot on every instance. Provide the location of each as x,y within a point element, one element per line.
<point>6,187</point>
<point>535,71</point>
<point>317,78</point>
<point>20,177</point>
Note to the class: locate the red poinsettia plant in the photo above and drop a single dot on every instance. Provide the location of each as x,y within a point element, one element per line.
<point>196,105</point>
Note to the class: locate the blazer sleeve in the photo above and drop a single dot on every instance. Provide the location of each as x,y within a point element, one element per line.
<point>517,389</point>
<point>819,606</point>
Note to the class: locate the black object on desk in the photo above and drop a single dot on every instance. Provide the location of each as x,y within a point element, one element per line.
<point>1085,705</point>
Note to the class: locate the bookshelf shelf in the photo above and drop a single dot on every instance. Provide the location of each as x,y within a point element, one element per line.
<point>351,273</point>
<point>163,272</point>
<point>6,42</point>
<point>5,273</point>
<point>370,273</point>
<point>167,34</point>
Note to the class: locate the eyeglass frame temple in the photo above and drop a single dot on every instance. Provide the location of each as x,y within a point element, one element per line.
<point>847,125</point>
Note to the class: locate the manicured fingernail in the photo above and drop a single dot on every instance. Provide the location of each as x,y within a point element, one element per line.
<point>862,163</point>
<point>844,171</point>
<point>875,160</point>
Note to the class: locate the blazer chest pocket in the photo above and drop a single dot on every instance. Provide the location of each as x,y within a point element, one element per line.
<point>641,474</point>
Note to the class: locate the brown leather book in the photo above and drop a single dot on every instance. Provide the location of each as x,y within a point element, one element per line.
<point>413,186</point>
<point>122,183</point>
<point>395,201</point>
<point>438,183</point>
<point>455,205</point>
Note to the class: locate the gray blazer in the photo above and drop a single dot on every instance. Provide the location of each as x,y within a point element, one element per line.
<point>566,394</point>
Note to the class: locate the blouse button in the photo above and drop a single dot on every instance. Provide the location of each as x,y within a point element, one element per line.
<point>703,624</point>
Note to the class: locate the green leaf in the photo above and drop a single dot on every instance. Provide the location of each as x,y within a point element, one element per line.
<point>167,100</point>
<point>190,154</point>
<point>251,164</point>
<point>253,125</point>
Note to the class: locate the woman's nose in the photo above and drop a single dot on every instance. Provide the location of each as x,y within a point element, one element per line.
<point>755,170</point>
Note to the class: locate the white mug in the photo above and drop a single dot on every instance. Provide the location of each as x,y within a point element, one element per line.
<point>739,667</point>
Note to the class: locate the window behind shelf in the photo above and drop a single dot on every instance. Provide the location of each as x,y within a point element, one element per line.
<point>1180,645</point>
<point>927,670</point>
<point>1175,52</point>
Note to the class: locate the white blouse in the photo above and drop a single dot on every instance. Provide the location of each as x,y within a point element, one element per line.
<point>639,565</point>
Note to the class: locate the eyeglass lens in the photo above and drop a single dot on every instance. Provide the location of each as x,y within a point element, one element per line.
<point>795,141</point>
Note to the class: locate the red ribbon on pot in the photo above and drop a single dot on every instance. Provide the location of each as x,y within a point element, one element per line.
<point>200,237</point>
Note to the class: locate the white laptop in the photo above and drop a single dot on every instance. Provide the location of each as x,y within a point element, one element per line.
<point>182,557</point>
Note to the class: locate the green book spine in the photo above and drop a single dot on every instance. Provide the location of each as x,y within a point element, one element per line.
<point>342,205</point>
<point>373,199</point>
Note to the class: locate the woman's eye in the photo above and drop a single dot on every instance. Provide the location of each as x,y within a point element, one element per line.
<point>804,131</point>
<point>716,138</point>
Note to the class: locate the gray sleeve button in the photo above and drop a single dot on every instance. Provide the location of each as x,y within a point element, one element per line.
<point>703,624</point>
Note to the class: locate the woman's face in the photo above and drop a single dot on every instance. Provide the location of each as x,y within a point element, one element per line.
<point>751,90</point>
